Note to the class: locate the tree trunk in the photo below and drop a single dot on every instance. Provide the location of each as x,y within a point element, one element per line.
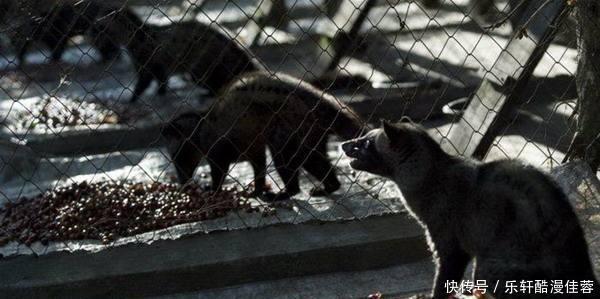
<point>586,143</point>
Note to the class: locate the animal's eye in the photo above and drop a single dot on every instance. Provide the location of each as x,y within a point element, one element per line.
<point>368,144</point>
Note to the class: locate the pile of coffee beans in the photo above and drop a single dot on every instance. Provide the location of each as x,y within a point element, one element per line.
<point>107,210</point>
<point>59,112</point>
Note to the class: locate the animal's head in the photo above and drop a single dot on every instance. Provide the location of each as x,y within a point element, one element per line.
<point>395,150</point>
<point>186,145</point>
<point>117,26</point>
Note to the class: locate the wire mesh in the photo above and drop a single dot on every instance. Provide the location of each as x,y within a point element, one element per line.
<point>120,118</point>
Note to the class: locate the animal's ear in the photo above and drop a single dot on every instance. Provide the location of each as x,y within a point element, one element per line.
<point>391,131</point>
<point>406,119</point>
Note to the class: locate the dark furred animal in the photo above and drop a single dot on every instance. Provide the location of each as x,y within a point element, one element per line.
<point>64,21</point>
<point>204,52</point>
<point>259,110</point>
<point>511,218</point>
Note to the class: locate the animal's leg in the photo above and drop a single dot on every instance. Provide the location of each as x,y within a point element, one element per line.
<point>56,37</point>
<point>288,172</point>
<point>320,167</point>
<point>163,82</point>
<point>109,52</point>
<point>450,266</point>
<point>499,272</point>
<point>58,48</point>
<point>218,172</point>
<point>185,159</point>
<point>483,6</point>
<point>21,54</point>
<point>144,80</point>
<point>259,166</point>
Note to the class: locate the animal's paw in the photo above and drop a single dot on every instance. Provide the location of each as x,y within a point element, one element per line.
<point>272,197</point>
<point>208,187</point>
<point>257,192</point>
<point>326,189</point>
<point>318,191</point>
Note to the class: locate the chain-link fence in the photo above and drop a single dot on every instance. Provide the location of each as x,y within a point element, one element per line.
<point>121,119</point>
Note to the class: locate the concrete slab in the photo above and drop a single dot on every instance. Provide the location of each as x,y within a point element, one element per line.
<point>216,260</point>
<point>361,196</point>
<point>359,227</point>
<point>143,130</point>
<point>393,282</point>
<point>15,159</point>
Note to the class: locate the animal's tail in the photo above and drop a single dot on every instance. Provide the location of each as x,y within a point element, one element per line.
<point>341,119</point>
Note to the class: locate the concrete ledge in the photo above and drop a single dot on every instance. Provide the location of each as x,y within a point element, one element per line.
<point>216,260</point>
<point>15,159</point>
<point>393,282</point>
<point>143,132</point>
<point>105,139</point>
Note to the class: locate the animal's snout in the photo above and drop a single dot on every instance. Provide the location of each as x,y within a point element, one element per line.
<point>351,148</point>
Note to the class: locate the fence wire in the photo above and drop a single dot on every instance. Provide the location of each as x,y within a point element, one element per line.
<point>121,118</point>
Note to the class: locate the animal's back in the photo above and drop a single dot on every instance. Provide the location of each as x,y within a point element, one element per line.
<point>291,101</point>
<point>533,220</point>
<point>188,34</point>
<point>209,53</point>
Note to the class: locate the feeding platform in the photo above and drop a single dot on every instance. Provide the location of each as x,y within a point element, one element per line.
<point>343,231</point>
